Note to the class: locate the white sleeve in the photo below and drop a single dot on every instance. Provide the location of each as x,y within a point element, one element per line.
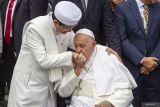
<point>37,46</point>
<point>68,84</point>
<point>121,98</point>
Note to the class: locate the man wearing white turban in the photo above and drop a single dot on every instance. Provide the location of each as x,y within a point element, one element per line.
<point>103,81</point>
<point>41,59</point>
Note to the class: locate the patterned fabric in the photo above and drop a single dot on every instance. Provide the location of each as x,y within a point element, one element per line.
<point>145,13</point>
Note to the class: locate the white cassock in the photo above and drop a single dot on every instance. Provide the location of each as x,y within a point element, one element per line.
<point>32,85</point>
<point>103,78</point>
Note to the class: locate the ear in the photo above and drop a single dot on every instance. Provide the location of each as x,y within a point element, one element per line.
<point>55,22</point>
<point>94,43</point>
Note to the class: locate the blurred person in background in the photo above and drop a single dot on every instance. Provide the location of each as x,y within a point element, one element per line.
<point>138,22</point>
<point>3,102</point>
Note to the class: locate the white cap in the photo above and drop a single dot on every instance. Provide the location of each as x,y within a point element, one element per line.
<point>67,13</point>
<point>86,32</point>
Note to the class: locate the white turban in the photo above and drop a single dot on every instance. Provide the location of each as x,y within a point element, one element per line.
<point>86,32</point>
<point>67,13</point>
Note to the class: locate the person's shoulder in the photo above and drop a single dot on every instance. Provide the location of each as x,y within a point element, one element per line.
<point>41,21</point>
<point>101,49</point>
<point>40,18</point>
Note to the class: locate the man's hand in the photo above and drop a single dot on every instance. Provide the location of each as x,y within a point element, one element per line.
<point>111,51</point>
<point>79,61</point>
<point>104,104</point>
<point>150,63</point>
<point>144,71</point>
<point>115,2</point>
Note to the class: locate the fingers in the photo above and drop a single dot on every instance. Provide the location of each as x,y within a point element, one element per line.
<point>75,55</point>
<point>78,60</point>
<point>81,57</point>
<point>111,51</point>
<point>150,63</point>
<point>108,50</point>
<point>144,71</point>
<point>155,59</point>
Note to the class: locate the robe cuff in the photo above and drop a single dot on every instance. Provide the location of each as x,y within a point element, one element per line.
<point>121,98</point>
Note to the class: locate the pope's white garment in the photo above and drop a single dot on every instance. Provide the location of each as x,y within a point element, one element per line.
<point>111,81</point>
<point>40,53</point>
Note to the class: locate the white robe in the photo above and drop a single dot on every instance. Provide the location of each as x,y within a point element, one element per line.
<point>40,53</point>
<point>120,96</point>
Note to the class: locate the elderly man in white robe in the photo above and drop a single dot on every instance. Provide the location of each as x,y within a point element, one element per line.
<point>100,80</point>
<point>40,60</point>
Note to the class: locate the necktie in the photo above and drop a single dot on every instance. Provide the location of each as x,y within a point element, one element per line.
<point>145,13</point>
<point>84,5</point>
<point>8,23</point>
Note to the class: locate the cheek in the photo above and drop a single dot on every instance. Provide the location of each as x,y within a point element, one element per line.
<point>85,52</point>
<point>82,51</point>
<point>63,31</point>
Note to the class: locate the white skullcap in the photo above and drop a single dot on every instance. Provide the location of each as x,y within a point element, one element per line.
<point>86,32</point>
<point>67,13</point>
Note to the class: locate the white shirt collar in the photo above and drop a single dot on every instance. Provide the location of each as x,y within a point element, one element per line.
<point>140,3</point>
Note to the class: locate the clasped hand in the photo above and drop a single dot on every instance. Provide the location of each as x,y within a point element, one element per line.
<point>149,64</point>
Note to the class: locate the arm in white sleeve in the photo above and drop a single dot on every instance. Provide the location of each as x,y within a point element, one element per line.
<point>68,84</point>
<point>121,98</point>
<point>37,46</point>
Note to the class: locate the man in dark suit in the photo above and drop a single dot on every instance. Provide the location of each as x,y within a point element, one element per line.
<point>11,61</point>
<point>98,17</point>
<point>2,76</point>
<point>139,27</point>
<point>24,11</point>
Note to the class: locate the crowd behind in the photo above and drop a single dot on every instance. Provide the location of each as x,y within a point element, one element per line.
<point>131,28</point>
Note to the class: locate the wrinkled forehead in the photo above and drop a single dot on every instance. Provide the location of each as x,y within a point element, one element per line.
<point>81,38</point>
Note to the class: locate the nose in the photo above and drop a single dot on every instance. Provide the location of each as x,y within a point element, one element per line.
<point>78,49</point>
<point>67,30</point>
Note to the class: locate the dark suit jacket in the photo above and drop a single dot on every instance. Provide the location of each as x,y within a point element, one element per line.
<point>26,10</point>
<point>3,13</point>
<point>135,43</point>
<point>10,47</point>
<point>100,19</point>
